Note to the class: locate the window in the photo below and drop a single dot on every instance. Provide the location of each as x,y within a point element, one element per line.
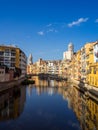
<point>7,63</point>
<point>95,81</point>
<point>13,51</point>
<point>1,53</point>
<point>1,59</point>
<point>94,70</point>
<point>7,54</point>
<point>13,54</point>
<point>12,64</point>
<point>12,59</point>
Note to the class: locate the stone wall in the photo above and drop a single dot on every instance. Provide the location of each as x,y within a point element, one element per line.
<point>9,84</point>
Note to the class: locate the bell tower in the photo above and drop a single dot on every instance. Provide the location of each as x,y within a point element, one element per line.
<point>30,59</point>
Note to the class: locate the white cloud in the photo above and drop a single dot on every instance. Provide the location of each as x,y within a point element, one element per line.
<point>51,30</point>
<point>49,25</point>
<point>96,20</point>
<point>41,33</point>
<point>47,29</point>
<point>80,20</point>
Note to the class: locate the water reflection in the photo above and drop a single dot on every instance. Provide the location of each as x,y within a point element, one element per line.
<point>49,86</point>
<point>12,103</point>
<point>48,83</point>
<point>50,105</point>
<point>85,108</point>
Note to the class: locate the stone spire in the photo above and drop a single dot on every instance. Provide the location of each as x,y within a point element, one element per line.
<point>30,59</point>
<point>70,47</point>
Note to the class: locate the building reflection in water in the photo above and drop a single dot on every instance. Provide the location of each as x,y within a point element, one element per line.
<point>49,86</point>
<point>12,103</point>
<point>85,108</point>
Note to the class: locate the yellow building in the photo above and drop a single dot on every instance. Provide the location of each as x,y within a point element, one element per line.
<point>93,65</point>
<point>92,114</point>
<point>78,65</point>
<point>73,67</point>
<point>89,62</point>
<point>88,58</point>
<point>13,57</point>
<point>86,61</point>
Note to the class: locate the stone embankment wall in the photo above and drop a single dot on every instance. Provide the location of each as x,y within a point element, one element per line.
<point>10,84</point>
<point>89,91</point>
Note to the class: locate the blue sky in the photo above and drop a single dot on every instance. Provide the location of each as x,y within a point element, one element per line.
<point>45,27</point>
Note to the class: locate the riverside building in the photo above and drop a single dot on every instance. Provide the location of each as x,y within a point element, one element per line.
<point>67,55</point>
<point>14,58</point>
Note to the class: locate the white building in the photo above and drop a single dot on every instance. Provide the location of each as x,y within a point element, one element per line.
<point>96,52</point>
<point>30,59</point>
<point>23,63</point>
<point>67,55</point>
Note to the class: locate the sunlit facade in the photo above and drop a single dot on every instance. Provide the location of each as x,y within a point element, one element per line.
<point>67,55</point>
<point>13,57</point>
<point>93,67</point>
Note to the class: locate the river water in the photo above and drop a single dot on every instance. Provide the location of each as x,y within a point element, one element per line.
<point>47,105</point>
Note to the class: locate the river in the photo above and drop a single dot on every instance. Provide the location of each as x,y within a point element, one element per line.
<point>47,105</point>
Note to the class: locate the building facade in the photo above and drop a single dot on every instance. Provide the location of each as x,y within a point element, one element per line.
<point>93,66</point>
<point>13,57</point>
<point>67,55</point>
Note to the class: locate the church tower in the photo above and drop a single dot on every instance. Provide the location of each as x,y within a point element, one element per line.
<point>67,55</point>
<point>30,59</point>
<point>70,47</point>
